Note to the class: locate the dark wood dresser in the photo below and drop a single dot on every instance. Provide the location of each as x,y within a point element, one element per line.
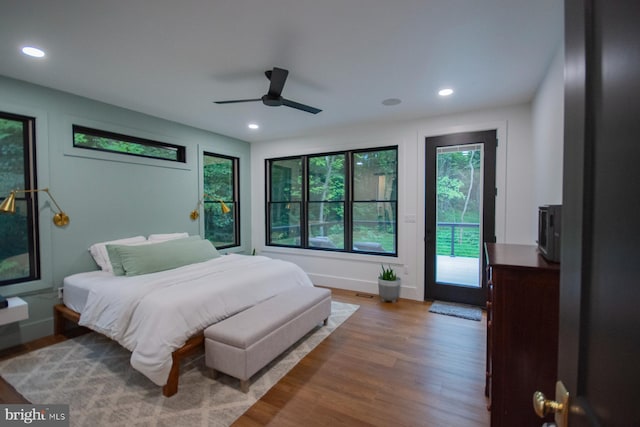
<point>522,332</point>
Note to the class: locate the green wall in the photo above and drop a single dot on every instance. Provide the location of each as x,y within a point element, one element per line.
<point>107,196</point>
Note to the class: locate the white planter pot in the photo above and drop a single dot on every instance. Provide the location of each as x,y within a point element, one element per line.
<point>389,290</point>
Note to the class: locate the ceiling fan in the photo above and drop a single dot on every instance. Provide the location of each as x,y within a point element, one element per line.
<point>273,98</point>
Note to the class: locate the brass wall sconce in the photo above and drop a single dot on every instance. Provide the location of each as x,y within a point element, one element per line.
<point>9,206</point>
<point>195,214</point>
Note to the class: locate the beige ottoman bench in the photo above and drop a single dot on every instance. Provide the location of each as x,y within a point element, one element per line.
<point>243,344</point>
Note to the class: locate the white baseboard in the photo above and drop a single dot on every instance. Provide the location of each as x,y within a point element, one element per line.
<point>356,285</point>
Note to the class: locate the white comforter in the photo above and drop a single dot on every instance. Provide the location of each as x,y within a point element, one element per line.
<point>154,314</point>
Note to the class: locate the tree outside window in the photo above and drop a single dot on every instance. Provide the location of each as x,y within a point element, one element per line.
<point>343,201</point>
<point>221,184</point>
<point>95,139</point>
<point>375,197</point>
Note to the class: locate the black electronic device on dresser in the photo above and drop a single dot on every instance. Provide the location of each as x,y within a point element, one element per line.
<point>549,228</point>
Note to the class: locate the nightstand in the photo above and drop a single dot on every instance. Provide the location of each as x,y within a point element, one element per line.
<point>17,310</point>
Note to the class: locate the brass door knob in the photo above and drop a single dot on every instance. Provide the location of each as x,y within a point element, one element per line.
<point>543,406</point>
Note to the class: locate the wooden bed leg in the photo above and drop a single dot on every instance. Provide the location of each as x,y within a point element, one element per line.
<point>58,321</point>
<point>192,345</point>
<point>171,387</point>
<point>244,386</point>
<point>61,313</point>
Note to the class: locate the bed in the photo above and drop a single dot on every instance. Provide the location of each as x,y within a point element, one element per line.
<point>159,316</point>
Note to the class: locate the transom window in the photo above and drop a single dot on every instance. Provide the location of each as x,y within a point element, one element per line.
<point>101,140</point>
<point>221,185</point>
<point>344,201</point>
<point>19,253</point>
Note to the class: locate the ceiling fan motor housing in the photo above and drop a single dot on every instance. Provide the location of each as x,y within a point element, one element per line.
<point>272,101</point>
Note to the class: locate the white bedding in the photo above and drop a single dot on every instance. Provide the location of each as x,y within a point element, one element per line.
<point>154,314</point>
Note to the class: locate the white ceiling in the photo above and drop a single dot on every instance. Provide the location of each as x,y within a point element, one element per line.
<point>172,58</point>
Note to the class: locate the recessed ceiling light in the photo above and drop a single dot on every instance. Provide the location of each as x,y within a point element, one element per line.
<point>33,51</point>
<point>445,92</point>
<point>391,101</point>
<point>253,126</point>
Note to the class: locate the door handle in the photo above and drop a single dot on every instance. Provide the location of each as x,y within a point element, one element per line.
<point>560,407</point>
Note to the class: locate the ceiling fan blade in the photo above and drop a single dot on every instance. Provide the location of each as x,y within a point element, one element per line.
<point>277,76</point>
<point>299,106</point>
<point>235,101</point>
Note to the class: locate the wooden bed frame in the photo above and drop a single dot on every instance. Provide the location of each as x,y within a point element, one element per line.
<point>193,344</point>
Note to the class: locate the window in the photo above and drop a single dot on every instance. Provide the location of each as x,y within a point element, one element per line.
<point>221,185</point>
<point>100,140</point>
<point>19,260</point>
<point>285,209</point>
<point>325,204</point>
<point>344,201</point>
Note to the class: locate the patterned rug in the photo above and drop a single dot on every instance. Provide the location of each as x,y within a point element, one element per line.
<point>92,374</point>
<point>456,310</point>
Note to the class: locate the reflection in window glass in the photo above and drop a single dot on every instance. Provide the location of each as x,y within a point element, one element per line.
<point>284,226</point>
<point>374,201</point>
<point>286,180</point>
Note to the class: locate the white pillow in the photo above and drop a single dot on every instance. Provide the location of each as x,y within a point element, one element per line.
<point>168,236</point>
<point>101,256</point>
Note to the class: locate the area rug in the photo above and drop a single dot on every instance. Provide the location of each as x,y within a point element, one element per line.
<point>92,374</point>
<point>456,310</point>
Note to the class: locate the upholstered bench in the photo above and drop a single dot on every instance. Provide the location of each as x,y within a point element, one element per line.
<point>243,344</point>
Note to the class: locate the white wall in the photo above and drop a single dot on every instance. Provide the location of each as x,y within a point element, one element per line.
<point>514,205</point>
<point>548,134</point>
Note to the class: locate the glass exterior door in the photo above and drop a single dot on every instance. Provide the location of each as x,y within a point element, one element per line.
<point>460,182</point>
<point>459,215</point>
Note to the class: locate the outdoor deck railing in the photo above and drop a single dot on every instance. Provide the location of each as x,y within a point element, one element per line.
<point>453,226</point>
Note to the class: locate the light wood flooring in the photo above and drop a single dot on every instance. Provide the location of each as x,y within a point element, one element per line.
<point>389,364</point>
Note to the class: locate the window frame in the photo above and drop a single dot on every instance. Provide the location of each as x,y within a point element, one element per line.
<point>348,202</point>
<point>180,150</point>
<point>303,213</point>
<point>235,192</point>
<point>31,199</point>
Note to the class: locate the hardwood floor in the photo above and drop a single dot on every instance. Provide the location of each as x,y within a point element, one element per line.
<point>389,364</point>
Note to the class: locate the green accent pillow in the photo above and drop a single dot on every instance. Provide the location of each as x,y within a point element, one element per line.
<point>143,259</point>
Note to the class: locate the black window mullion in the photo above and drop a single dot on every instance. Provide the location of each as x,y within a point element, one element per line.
<point>267,193</point>
<point>304,200</point>
<point>348,201</point>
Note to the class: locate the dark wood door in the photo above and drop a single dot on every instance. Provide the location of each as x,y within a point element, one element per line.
<point>599,336</point>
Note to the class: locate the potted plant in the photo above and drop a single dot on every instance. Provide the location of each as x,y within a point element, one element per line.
<point>388,285</point>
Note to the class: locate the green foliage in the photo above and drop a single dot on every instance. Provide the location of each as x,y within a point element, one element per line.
<point>454,178</point>
<point>218,181</point>
<point>387,274</point>
<point>11,156</point>
<point>13,228</point>
<point>127,147</point>
<point>375,193</point>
